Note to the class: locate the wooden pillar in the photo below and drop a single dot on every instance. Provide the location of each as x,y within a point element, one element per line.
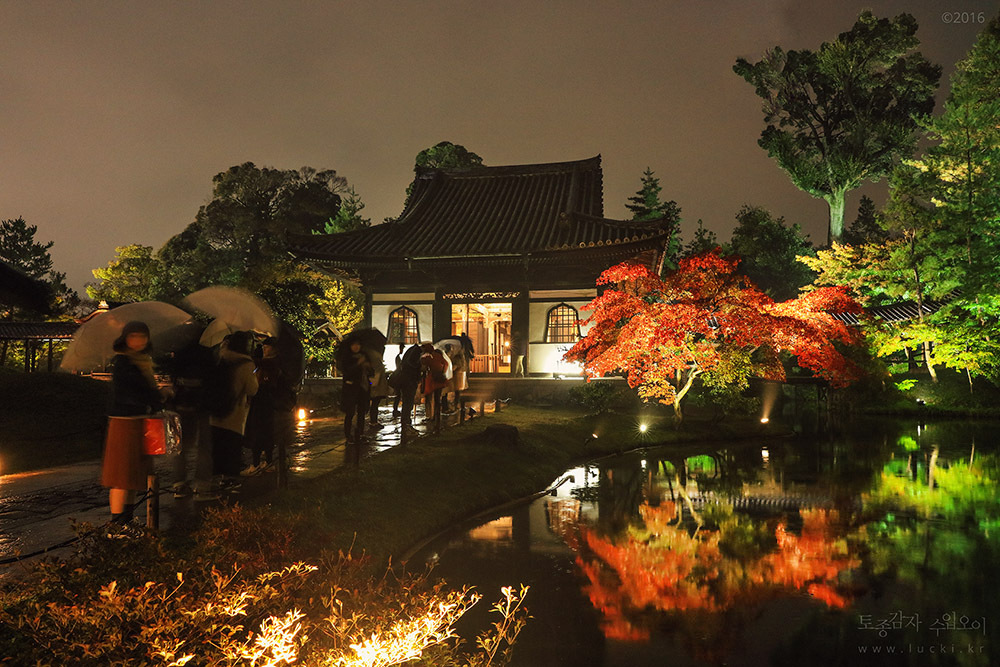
<point>28,353</point>
<point>50,355</point>
<point>441,319</point>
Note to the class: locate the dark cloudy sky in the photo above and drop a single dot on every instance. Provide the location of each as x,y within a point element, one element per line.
<point>114,116</point>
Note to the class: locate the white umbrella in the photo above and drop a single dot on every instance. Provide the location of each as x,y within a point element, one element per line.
<point>235,308</point>
<point>91,347</point>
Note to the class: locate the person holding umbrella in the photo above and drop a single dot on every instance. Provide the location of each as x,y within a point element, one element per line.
<point>135,394</point>
<point>234,387</point>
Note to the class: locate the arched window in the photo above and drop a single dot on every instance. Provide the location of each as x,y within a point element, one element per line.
<point>403,327</point>
<point>562,324</point>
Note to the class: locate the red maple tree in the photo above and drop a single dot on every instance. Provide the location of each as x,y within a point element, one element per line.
<point>704,319</point>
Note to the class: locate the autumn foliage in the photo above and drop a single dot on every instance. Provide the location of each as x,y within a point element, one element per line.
<point>667,568</point>
<point>704,319</point>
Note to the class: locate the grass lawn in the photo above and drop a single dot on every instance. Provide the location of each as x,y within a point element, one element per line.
<point>397,498</point>
<point>49,419</point>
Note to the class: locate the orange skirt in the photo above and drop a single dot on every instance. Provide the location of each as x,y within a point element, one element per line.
<point>126,465</point>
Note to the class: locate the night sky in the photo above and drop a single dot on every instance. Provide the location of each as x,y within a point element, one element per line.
<point>116,115</point>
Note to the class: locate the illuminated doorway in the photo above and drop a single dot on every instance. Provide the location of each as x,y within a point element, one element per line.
<point>488,325</point>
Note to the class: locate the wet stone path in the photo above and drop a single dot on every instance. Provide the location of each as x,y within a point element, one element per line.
<point>38,509</point>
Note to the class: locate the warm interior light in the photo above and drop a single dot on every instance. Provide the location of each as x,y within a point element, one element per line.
<point>302,414</point>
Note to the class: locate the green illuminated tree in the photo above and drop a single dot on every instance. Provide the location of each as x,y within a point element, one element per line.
<point>348,218</point>
<point>768,248</point>
<point>134,275</point>
<point>447,155</point>
<point>846,113</point>
<point>947,201</point>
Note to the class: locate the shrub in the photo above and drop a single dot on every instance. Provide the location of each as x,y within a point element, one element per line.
<point>598,396</point>
<point>222,601</point>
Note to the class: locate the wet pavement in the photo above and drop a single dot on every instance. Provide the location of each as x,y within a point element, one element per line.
<point>38,509</point>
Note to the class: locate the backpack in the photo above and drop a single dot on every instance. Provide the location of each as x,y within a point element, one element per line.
<point>218,397</point>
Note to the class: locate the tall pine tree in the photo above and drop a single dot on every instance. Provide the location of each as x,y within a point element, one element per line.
<point>646,204</point>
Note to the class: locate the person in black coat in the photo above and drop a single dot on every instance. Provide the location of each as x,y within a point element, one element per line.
<point>409,380</point>
<point>356,390</point>
<point>134,395</point>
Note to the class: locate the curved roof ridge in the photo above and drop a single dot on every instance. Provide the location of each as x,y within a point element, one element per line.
<point>585,164</point>
<point>611,222</point>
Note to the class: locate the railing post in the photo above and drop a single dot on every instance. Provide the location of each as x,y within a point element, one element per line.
<point>153,502</point>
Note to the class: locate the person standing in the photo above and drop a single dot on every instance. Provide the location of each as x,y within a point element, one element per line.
<point>275,396</point>
<point>238,384</point>
<point>518,351</point>
<point>459,372</point>
<point>435,365</point>
<point>379,386</point>
<point>356,391</point>
<point>409,380</point>
<point>135,395</point>
<point>190,366</point>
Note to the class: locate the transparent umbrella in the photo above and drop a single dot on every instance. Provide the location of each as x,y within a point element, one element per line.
<point>235,309</point>
<point>90,349</point>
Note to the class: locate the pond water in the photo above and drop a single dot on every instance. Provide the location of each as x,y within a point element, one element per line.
<point>877,543</point>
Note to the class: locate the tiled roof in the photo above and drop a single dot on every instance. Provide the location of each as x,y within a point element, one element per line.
<point>893,312</point>
<point>37,330</point>
<point>491,211</point>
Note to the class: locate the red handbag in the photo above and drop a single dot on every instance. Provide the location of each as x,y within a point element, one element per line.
<point>162,434</point>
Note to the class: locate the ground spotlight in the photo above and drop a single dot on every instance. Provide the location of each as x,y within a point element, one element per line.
<point>764,420</point>
<point>643,428</point>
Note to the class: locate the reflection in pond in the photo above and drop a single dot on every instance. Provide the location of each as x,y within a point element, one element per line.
<point>780,552</point>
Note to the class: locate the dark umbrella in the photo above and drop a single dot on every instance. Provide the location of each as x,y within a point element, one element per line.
<point>291,354</point>
<point>371,339</point>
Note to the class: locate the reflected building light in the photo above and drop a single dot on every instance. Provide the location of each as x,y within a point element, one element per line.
<point>765,455</point>
<point>918,430</point>
<point>302,414</point>
<point>498,530</point>
<point>643,463</point>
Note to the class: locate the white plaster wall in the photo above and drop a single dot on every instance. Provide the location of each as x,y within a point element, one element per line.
<point>538,310</point>
<point>547,357</point>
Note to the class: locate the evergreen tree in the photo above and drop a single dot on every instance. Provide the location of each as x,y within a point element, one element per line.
<point>866,227</point>
<point>947,200</point>
<point>646,205</point>
<point>704,240</point>
<point>19,249</point>
<point>768,249</point>
<point>846,113</point>
<point>348,218</point>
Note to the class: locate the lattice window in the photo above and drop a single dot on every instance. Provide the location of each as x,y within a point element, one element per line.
<point>403,327</point>
<point>562,325</point>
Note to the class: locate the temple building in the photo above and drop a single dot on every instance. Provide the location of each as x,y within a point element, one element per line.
<point>508,255</point>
